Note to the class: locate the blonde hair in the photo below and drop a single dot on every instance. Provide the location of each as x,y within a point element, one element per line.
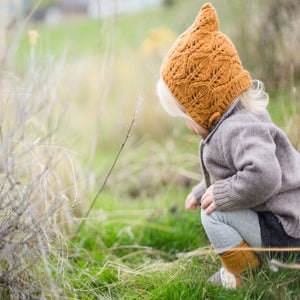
<point>254,99</point>
<point>169,102</point>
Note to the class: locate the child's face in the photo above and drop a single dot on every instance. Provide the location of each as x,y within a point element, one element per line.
<point>196,128</point>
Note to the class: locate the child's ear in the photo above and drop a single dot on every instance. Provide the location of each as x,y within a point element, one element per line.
<point>207,19</point>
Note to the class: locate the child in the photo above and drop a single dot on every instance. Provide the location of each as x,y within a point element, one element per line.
<point>250,194</point>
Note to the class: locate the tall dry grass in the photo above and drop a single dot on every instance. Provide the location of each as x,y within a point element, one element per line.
<point>37,176</point>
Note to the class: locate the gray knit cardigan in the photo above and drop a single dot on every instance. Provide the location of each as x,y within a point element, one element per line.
<point>252,164</point>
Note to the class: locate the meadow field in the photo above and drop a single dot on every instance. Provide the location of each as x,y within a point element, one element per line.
<point>94,173</point>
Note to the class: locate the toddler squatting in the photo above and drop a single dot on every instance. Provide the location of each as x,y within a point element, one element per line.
<point>250,194</point>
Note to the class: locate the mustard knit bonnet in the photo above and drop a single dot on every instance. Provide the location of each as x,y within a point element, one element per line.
<point>203,71</point>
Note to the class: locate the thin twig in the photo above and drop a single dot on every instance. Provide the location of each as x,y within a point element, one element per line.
<point>203,251</point>
<point>112,166</point>
<point>284,265</point>
<point>130,247</point>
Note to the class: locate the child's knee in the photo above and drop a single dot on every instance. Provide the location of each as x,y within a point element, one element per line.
<point>211,220</point>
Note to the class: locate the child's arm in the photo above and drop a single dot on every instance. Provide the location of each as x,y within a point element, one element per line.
<point>194,198</point>
<point>200,196</point>
<point>190,202</point>
<point>207,201</point>
<point>199,191</point>
<point>249,149</point>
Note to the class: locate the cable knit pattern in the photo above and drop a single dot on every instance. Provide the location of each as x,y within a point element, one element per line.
<point>203,71</point>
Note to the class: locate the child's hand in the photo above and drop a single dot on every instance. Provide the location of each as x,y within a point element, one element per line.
<point>207,200</point>
<point>190,202</point>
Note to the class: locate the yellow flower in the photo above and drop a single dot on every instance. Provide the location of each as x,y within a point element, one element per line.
<point>33,36</point>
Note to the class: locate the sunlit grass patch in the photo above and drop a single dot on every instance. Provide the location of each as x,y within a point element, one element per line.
<point>136,254</point>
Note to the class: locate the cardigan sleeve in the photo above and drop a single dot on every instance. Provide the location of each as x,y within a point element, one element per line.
<point>199,190</point>
<point>250,150</point>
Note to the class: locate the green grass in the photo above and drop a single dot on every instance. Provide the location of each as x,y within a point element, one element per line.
<point>280,107</point>
<point>157,230</point>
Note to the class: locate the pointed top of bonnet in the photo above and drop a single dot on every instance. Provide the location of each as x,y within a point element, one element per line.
<point>207,18</point>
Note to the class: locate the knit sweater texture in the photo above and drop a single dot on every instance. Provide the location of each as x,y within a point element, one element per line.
<point>252,164</point>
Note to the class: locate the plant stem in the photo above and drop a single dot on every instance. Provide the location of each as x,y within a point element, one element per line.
<point>113,165</point>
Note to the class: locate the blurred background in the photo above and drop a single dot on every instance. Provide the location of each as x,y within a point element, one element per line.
<point>112,51</point>
<point>100,59</point>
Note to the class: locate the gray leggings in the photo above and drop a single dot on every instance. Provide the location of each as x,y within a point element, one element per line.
<point>229,229</point>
